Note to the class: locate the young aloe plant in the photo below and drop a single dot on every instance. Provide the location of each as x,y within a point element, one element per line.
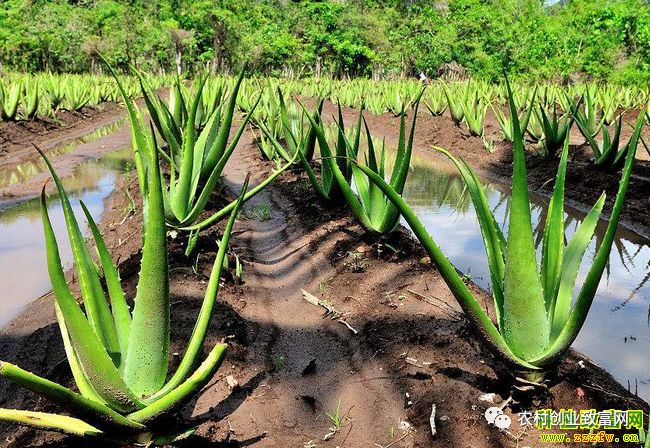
<point>587,119</point>
<point>371,207</point>
<point>609,155</point>
<point>474,112</point>
<point>326,185</point>
<point>9,101</point>
<point>505,123</point>
<point>196,162</point>
<point>456,109</point>
<point>537,319</point>
<point>118,357</point>
<point>556,129</point>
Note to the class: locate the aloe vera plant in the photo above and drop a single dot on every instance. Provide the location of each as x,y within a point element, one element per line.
<point>609,155</point>
<point>587,118</point>
<point>555,128</point>
<point>371,207</point>
<point>537,318</point>
<point>456,109</point>
<point>474,112</point>
<point>9,100</point>
<point>506,123</point>
<point>119,358</point>
<point>196,160</point>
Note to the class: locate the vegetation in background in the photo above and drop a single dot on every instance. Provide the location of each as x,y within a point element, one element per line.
<point>600,40</point>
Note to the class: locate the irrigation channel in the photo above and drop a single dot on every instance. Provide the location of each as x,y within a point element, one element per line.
<point>616,335</point>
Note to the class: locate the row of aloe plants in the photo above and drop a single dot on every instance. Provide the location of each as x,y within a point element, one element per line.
<point>534,326</point>
<point>119,357</point>
<point>26,97</point>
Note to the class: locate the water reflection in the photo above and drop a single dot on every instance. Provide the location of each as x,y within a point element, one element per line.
<point>35,165</point>
<point>616,335</point>
<point>23,270</point>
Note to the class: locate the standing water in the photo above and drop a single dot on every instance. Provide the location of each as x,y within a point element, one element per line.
<point>23,269</point>
<point>616,335</point>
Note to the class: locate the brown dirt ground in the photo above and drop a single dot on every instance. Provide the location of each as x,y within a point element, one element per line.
<point>16,135</point>
<point>293,365</point>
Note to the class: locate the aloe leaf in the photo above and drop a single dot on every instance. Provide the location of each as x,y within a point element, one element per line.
<point>492,237</point>
<point>586,296</point>
<point>99,314</point>
<point>95,413</point>
<point>213,155</point>
<point>138,136</point>
<point>147,359</point>
<point>81,380</point>
<point>177,397</point>
<point>569,270</point>
<point>92,355</point>
<point>50,422</point>
<point>180,201</point>
<point>207,307</point>
<point>525,322</point>
<point>119,307</point>
<point>211,183</point>
<point>553,241</point>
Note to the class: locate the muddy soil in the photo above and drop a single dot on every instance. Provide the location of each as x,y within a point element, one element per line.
<point>49,135</point>
<point>402,347</point>
<point>46,131</point>
<point>584,182</point>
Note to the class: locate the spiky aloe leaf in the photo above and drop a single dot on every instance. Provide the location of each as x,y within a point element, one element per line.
<point>119,307</point>
<point>525,321</point>
<point>99,314</point>
<point>212,180</point>
<point>138,134</point>
<point>92,355</point>
<point>493,238</point>
<point>180,200</point>
<point>213,156</point>
<point>553,240</point>
<point>575,250</point>
<point>148,347</point>
<point>207,307</point>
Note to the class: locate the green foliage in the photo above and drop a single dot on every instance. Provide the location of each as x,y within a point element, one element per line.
<point>534,325</point>
<point>119,358</point>
<point>600,40</point>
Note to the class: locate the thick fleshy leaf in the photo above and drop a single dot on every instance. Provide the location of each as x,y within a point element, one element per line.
<point>553,241</point>
<point>97,365</point>
<point>525,322</point>
<point>119,307</point>
<point>50,422</point>
<point>207,307</point>
<point>575,250</point>
<point>147,359</point>
<point>91,411</point>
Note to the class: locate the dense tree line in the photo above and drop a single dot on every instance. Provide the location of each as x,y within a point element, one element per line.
<point>599,39</point>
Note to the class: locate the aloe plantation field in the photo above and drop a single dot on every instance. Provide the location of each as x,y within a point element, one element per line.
<point>325,223</point>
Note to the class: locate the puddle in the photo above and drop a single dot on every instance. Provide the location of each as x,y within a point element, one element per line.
<point>22,171</point>
<point>616,335</point>
<point>23,270</point>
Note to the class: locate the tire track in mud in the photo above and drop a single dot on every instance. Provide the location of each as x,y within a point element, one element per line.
<point>282,257</point>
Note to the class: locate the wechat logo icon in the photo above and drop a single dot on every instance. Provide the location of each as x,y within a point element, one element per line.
<point>496,417</point>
